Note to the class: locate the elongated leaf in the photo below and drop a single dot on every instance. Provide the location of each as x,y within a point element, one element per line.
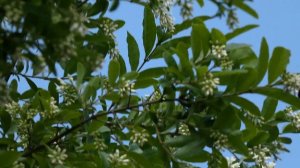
<point>185,65</point>
<point>280,95</point>
<point>269,107</point>
<point>263,61</point>
<point>159,51</point>
<point>8,158</point>
<point>278,63</point>
<point>218,36</point>
<point>198,155</point>
<point>245,104</point>
<point>243,6</point>
<point>239,31</point>
<point>80,73</point>
<point>199,40</point>
<point>133,52</point>
<point>31,84</point>
<point>152,73</point>
<point>149,31</point>
<point>113,71</point>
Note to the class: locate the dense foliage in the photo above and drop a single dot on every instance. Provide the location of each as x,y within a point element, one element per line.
<point>89,116</point>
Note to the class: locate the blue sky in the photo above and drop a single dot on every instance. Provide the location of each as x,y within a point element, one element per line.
<point>278,22</point>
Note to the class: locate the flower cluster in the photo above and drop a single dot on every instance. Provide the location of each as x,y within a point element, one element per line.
<point>220,140</point>
<point>118,160</point>
<point>99,143</point>
<point>219,50</point>
<point>127,88</point>
<point>294,117</point>
<point>291,82</point>
<point>66,48</point>
<point>53,109</point>
<point>139,137</point>
<point>69,94</point>
<point>108,27</point>
<point>155,96</point>
<point>186,8</point>
<point>162,10</point>
<point>232,162</point>
<point>232,19</point>
<point>259,154</point>
<point>256,120</point>
<point>17,164</point>
<point>57,156</point>
<point>13,10</point>
<point>209,84</point>
<point>78,23</point>
<point>183,129</point>
<point>13,109</point>
<point>226,63</point>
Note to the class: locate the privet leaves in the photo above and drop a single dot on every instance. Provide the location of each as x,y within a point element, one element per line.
<point>199,40</point>
<point>149,30</point>
<point>113,71</point>
<point>278,63</point>
<point>133,52</point>
<point>263,60</point>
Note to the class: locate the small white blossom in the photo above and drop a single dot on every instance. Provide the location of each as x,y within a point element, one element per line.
<point>291,82</point>
<point>139,137</point>
<point>162,10</point>
<point>53,109</point>
<point>232,162</point>
<point>57,155</point>
<point>219,51</point>
<point>209,84</point>
<point>259,154</point>
<point>114,53</point>
<point>184,129</point>
<point>118,160</point>
<point>220,140</point>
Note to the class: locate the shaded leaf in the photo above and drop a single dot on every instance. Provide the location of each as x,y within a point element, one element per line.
<point>278,63</point>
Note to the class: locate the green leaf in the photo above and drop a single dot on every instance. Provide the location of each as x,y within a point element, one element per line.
<point>243,6</point>
<point>144,83</point>
<point>114,5</point>
<point>99,6</point>
<point>201,2</point>
<point>152,73</point>
<point>8,158</point>
<point>185,65</point>
<point>218,36</point>
<point>269,108</point>
<point>80,73</point>
<point>192,152</point>
<point>133,52</point>
<point>5,120</point>
<point>280,95</point>
<point>31,84</point>
<point>245,104</point>
<point>199,40</point>
<point>149,30</point>
<point>263,61</point>
<point>239,31</point>
<point>113,71</point>
<point>260,138</point>
<point>278,63</point>
<point>179,141</point>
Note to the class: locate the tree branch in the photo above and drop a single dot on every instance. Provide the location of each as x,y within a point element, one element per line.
<point>94,117</point>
